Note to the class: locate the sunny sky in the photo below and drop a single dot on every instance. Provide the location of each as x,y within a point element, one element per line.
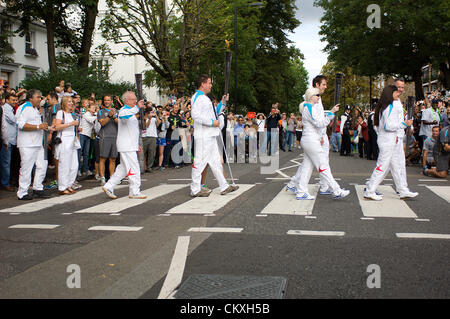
<point>307,39</point>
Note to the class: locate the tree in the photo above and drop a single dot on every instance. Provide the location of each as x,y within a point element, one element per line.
<point>63,28</point>
<point>5,47</point>
<point>412,34</point>
<point>171,39</point>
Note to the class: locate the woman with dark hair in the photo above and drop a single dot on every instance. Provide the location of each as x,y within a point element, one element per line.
<point>389,120</point>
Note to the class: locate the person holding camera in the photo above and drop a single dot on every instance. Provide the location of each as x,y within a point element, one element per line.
<point>149,137</point>
<point>108,120</point>
<point>272,125</point>
<point>31,147</point>
<point>67,146</point>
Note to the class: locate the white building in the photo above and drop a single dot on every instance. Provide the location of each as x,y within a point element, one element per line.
<point>30,51</point>
<point>123,68</point>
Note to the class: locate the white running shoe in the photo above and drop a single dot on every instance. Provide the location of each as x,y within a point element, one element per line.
<point>325,191</point>
<point>408,194</point>
<point>305,196</point>
<point>97,177</point>
<point>109,193</point>
<point>102,181</point>
<point>372,196</point>
<point>292,189</point>
<point>342,194</point>
<point>138,196</point>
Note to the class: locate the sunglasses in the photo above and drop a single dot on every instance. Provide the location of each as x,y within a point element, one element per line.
<point>318,95</point>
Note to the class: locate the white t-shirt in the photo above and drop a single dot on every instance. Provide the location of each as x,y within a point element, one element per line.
<point>151,130</point>
<point>429,115</point>
<point>261,124</point>
<point>66,118</point>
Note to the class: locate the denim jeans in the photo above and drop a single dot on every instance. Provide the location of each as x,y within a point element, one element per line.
<point>85,142</point>
<point>289,138</point>
<point>336,141</point>
<point>5,164</point>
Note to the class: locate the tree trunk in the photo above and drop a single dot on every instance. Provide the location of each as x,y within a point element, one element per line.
<point>445,75</point>
<point>51,45</point>
<point>417,77</point>
<point>90,12</point>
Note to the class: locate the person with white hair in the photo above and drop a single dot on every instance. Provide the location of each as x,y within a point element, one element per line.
<point>314,121</point>
<point>128,147</point>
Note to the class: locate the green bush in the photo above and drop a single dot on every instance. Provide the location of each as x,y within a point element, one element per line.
<point>83,82</point>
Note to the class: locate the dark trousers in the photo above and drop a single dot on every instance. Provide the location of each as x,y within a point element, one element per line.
<point>372,146</point>
<point>346,147</point>
<point>362,147</point>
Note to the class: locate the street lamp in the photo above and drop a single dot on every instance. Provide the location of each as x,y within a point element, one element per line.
<point>255,4</point>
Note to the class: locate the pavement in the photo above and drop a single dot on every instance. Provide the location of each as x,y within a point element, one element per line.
<point>148,248</point>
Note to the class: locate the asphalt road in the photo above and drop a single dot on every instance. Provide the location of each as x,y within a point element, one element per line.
<point>249,242</point>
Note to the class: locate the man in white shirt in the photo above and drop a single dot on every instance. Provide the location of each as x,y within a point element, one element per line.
<point>128,147</point>
<point>30,143</point>
<point>206,130</point>
<point>149,138</point>
<point>430,118</point>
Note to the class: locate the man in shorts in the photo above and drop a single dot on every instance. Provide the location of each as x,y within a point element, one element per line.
<point>441,153</point>
<point>107,117</point>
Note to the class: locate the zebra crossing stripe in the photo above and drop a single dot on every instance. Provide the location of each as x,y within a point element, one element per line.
<point>215,230</point>
<point>116,206</point>
<point>116,228</point>
<point>441,191</point>
<point>422,236</point>
<point>35,226</point>
<point>391,205</point>
<point>316,233</point>
<point>58,200</point>
<point>208,205</point>
<point>286,203</point>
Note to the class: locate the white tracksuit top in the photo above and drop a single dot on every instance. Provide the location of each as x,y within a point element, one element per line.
<point>203,115</point>
<point>391,123</point>
<point>314,121</point>
<point>128,130</point>
<point>27,114</point>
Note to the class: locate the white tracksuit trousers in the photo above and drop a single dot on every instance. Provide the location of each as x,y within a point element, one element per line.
<point>207,153</point>
<point>315,157</point>
<point>68,163</point>
<point>31,156</point>
<point>129,166</point>
<point>391,158</point>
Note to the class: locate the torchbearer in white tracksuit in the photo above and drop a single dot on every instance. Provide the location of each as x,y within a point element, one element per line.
<point>128,147</point>
<point>30,143</point>
<point>314,121</point>
<point>206,131</point>
<point>389,120</point>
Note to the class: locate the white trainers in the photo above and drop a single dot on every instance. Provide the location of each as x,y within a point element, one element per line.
<point>325,191</point>
<point>102,181</point>
<point>372,196</point>
<point>138,196</point>
<point>304,196</point>
<point>109,193</point>
<point>97,177</point>
<point>342,194</point>
<point>292,189</point>
<point>408,194</point>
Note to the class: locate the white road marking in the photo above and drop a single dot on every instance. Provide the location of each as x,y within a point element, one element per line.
<point>118,214</point>
<point>367,218</point>
<point>336,179</point>
<point>67,214</point>
<point>118,205</point>
<point>208,205</point>
<point>311,217</point>
<point>422,220</point>
<point>282,174</point>
<point>209,215</point>
<point>422,236</point>
<point>261,215</point>
<point>315,233</point>
<point>278,178</point>
<point>441,191</point>
<point>164,215</point>
<point>285,203</point>
<point>215,230</point>
<point>390,206</point>
<point>176,269</point>
<point>433,180</point>
<point>58,200</point>
<point>116,228</point>
<point>35,226</point>
<point>179,179</point>
<point>15,214</point>
<point>284,168</point>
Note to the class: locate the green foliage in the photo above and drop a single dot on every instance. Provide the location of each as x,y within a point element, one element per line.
<point>82,81</point>
<point>412,34</point>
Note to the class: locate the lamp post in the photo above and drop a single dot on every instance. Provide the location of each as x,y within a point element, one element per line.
<point>255,4</point>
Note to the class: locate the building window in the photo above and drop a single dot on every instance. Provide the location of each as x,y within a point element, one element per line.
<point>425,76</point>
<point>101,67</point>
<point>29,44</point>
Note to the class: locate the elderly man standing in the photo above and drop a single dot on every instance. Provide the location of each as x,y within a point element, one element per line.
<point>30,143</point>
<point>128,147</point>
